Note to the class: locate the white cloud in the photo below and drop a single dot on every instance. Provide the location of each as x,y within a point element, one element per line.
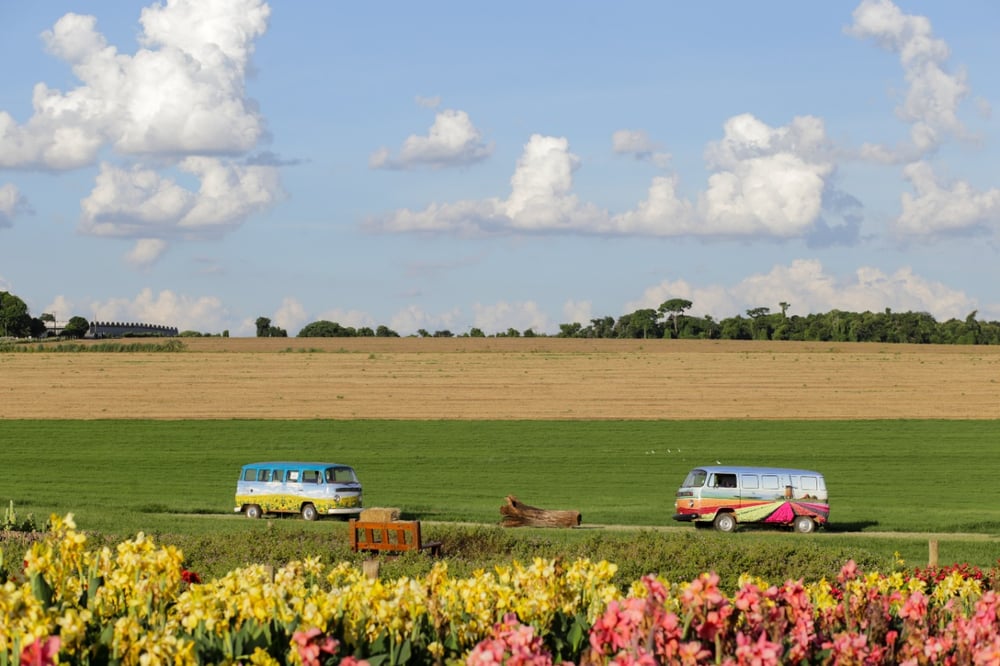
<point>498,317</point>
<point>145,252</point>
<point>206,314</point>
<point>451,141</point>
<point>140,203</point>
<point>933,95</point>
<point>12,203</point>
<point>351,318</point>
<point>291,316</point>
<point>61,308</point>
<point>935,209</point>
<point>808,288</point>
<point>638,144</point>
<point>768,181</point>
<point>581,312</point>
<point>411,319</point>
<point>184,92</point>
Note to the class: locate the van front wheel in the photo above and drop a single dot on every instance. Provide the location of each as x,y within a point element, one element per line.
<point>309,512</point>
<point>725,522</point>
<point>253,511</point>
<point>804,524</point>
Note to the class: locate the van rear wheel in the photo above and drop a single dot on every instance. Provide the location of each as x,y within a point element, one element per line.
<point>804,525</point>
<point>253,511</point>
<point>725,522</point>
<point>309,512</point>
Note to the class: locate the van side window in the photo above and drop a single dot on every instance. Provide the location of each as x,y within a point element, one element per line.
<point>250,475</point>
<point>725,480</point>
<point>750,482</point>
<point>808,483</point>
<point>769,481</point>
<point>276,475</point>
<point>264,475</point>
<point>310,476</point>
<point>293,475</point>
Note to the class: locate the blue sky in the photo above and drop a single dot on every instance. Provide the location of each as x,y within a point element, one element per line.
<point>452,165</point>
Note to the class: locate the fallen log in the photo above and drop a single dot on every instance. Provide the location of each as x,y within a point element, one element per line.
<point>518,514</point>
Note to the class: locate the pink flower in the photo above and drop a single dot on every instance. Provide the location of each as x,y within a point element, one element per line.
<point>915,607</point>
<point>313,643</point>
<point>512,644</point>
<point>760,652</point>
<point>41,653</point>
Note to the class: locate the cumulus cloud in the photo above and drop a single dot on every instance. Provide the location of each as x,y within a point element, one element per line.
<point>146,251</point>
<point>807,287</point>
<point>291,316</point>
<point>638,144</point>
<point>498,317</point>
<point>183,92</point>
<point>580,312</point>
<point>451,141</point>
<point>12,204</point>
<point>934,93</point>
<point>767,181</point>
<point>143,204</point>
<point>412,318</point>
<point>352,318</point>
<point>934,209</point>
<point>206,314</point>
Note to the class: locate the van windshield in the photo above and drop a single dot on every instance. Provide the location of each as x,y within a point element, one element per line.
<point>340,475</point>
<point>695,479</point>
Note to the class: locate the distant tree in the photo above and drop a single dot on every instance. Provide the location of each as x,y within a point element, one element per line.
<point>476,333</point>
<point>14,318</point>
<point>76,327</point>
<point>603,327</point>
<point>190,334</point>
<point>422,332</point>
<point>225,333</point>
<point>784,308</point>
<point>38,328</point>
<point>385,332</point>
<point>570,330</point>
<point>529,333</point>
<point>759,329</point>
<point>639,324</point>
<point>48,316</point>
<point>444,334</point>
<point>513,333</point>
<point>324,329</point>
<point>263,326</point>
<point>673,309</point>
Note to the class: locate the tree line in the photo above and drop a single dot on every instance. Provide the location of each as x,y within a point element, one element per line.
<point>670,320</point>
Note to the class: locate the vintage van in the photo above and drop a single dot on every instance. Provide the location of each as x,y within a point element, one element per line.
<point>725,496</point>
<point>309,489</point>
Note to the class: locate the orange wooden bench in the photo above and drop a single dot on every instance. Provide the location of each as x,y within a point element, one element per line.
<point>397,536</point>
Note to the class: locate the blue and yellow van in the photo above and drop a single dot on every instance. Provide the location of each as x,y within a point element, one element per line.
<point>310,489</point>
<point>725,496</point>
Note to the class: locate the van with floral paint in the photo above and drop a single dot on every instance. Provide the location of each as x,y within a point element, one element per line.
<point>725,496</point>
<point>309,489</point>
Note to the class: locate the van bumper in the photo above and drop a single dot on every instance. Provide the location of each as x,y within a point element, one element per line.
<point>686,517</point>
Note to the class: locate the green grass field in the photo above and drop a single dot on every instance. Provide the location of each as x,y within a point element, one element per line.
<point>120,477</point>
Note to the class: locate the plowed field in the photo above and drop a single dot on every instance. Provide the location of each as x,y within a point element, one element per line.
<point>505,378</point>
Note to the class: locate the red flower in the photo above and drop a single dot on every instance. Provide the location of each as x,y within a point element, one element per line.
<point>41,653</point>
<point>190,576</point>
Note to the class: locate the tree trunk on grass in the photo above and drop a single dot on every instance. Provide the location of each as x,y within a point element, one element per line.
<point>518,514</point>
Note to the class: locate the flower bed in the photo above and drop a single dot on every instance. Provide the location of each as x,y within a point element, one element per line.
<point>138,604</point>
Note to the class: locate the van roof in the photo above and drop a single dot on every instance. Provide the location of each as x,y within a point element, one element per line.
<point>285,464</point>
<point>740,469</point>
